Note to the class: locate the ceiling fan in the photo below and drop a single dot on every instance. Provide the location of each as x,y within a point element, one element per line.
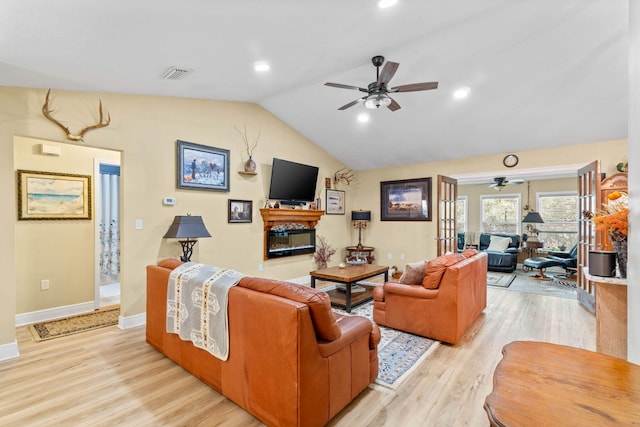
<point>501,181</point>
<point>378,92</point>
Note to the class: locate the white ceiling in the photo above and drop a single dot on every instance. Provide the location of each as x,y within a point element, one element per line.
<point>542,72</point>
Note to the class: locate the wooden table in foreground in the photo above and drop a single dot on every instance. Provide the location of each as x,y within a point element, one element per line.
<point>543,384</point>
<point>349,275</point>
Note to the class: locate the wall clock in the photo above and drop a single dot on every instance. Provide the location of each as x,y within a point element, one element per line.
<point>510,160</point>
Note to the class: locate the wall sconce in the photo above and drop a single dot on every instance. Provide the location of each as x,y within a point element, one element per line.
<point>360,219</point>
<point>530,219</point>
<point>189,228</point>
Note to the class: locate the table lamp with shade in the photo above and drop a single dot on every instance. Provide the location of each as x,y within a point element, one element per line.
<point>187,228</point>
<point>360,219</point>
<point>530,219</point>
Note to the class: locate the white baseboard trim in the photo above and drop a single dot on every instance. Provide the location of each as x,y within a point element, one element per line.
<point>304,280</point>
<point>9,351</point>
<point>128,322</point>
<point>54,313</point>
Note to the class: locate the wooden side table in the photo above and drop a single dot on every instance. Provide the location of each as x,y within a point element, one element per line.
<point>531,248</point>
<point>365,251</point>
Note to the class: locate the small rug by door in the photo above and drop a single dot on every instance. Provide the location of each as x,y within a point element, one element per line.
<point>398,352</point>
<point>106,316</point>
<point>501,280</point>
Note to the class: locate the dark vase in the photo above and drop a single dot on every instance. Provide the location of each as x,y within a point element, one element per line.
<point>621,255</point>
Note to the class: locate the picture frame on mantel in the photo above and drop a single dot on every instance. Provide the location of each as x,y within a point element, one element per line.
<point>335,202</point>
<point>201,167</point>
<point>53,196</point>
<point>405,200</point>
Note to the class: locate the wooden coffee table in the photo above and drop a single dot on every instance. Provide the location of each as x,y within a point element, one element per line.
<point>349,275</point>
<point>543,384</point>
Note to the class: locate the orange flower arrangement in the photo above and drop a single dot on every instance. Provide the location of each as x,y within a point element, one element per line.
<point>615,218</point>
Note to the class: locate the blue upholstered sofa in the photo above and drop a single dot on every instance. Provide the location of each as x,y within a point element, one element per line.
<point>505,261</point>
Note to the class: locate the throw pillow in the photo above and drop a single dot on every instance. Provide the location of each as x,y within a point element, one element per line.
<point>413,273</point>
<point>498,244</point>
<point>436,269</point>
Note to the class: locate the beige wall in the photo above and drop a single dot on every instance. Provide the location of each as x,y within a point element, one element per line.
<point>59,251</point>
<point>400,242</point>
<point>145,130</point>
<point>473,193</point>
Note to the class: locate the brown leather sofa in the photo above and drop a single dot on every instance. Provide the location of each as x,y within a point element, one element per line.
<point>450,298</point>
<point>292,361</point>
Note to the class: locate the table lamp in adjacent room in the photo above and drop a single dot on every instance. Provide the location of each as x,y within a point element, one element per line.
<point>360,219</point>
<point>187,228</point>
<point>531,219</point>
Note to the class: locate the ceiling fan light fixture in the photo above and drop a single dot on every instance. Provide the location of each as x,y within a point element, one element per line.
<point>377,100</point>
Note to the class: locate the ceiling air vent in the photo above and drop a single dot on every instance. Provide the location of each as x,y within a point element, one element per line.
<point>175,73</point>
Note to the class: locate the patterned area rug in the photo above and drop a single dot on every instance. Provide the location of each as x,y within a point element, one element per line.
<point>398,352</point>
<point>107,316</point>
<point>501,280</point>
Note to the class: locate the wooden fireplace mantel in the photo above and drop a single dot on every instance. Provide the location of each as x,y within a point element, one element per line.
<point>272,217</point>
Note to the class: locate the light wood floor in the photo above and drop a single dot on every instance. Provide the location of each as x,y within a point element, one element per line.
<point>111,377</point>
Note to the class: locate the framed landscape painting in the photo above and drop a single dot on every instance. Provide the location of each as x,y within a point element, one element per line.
<point>51,195</point>
<point>201,167</point>
<point>405,200</point>
<point>240,211</point>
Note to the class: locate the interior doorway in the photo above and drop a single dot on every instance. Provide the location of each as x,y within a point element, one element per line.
<point>107,232</point>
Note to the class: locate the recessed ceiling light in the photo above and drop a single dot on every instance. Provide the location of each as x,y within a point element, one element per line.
<point>261,66</point>
<point>363,117</point>
<point>461,93</point>
<point>383,4</point>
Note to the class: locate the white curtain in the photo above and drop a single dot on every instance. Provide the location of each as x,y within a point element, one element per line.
<point>109,227</point>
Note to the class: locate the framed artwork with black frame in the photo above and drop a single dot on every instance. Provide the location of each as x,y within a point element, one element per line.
<point>335,202</point>
<point>405,200</point>
<point>201,167</point>
<point>240,211</point>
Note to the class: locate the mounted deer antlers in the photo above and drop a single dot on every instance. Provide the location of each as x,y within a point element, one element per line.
<point>343,174</point>
<point>47,113</point>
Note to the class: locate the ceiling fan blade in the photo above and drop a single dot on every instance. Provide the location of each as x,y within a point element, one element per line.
<point>388,71</point>
<point>352,103</point>
<point>413,87</point>
<point>394,105</point>
<point>341,86</point>
<point>516,181</point>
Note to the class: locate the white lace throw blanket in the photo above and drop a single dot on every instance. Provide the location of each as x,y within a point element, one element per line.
<point>197,305</point>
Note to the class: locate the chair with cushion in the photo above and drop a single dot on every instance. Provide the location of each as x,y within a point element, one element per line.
<point>502,249</point>
<point>566,260</point>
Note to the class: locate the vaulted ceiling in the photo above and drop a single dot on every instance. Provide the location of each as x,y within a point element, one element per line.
<point>541,73</point>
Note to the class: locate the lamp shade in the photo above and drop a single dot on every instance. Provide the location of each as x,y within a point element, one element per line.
<point>187,227</point>
<point>361,215</point>
<point>533,218</point>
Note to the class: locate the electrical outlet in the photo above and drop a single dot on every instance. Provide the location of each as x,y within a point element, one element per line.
<point>389,255</point>
<point>401,256</point>
<point>260,267</point>
<point>44,285</point>
<point>138,224</point>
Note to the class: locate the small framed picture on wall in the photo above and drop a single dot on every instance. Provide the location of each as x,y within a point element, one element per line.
<point>240,211</point>
<point>335,202</point>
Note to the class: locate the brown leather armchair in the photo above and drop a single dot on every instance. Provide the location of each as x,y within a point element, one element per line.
<point>441,307</point>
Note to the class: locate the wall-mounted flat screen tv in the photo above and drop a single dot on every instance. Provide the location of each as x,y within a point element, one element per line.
<point>292,183</point>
